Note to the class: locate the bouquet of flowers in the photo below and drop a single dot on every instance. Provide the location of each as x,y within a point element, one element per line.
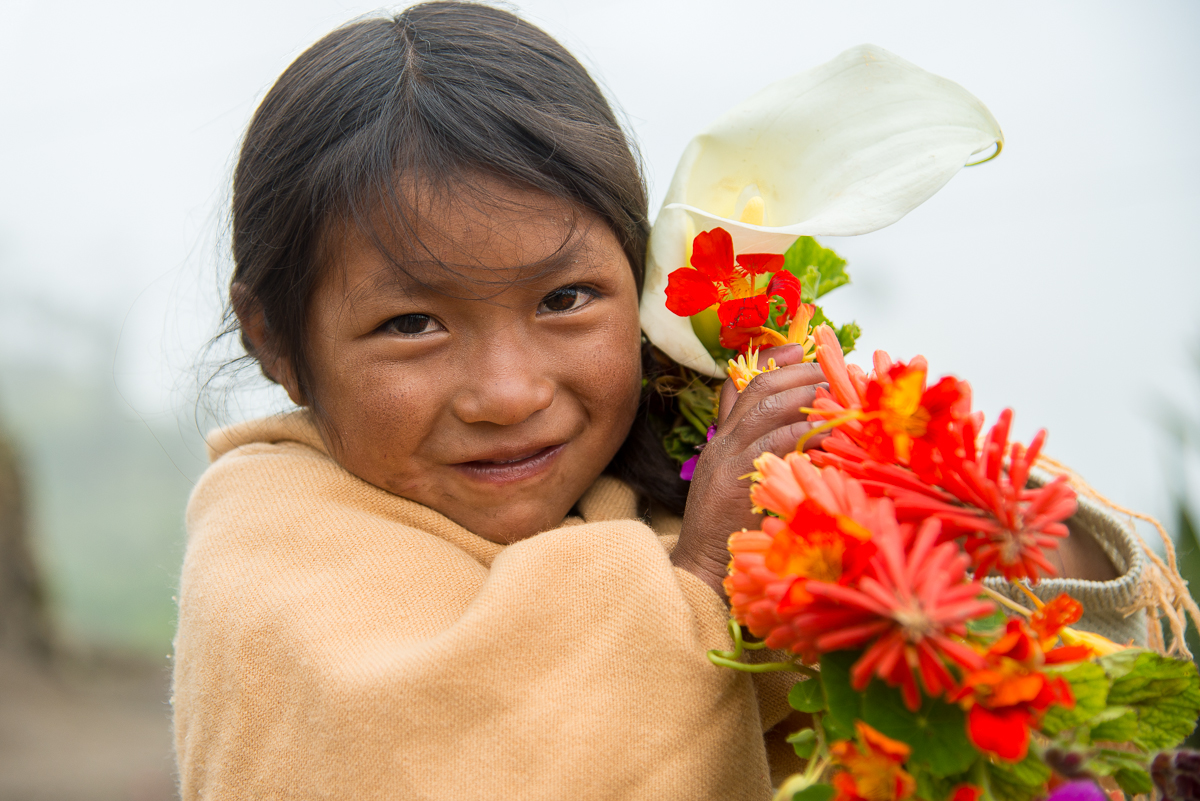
<point>867,573</point>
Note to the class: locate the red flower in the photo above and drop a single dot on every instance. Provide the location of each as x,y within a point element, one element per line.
<point>890,421</point>
<point>1049,620</point>
<point>719,278</point>
<point>1025,520</point>
<point>908,610</point>
<point>1006,696</point>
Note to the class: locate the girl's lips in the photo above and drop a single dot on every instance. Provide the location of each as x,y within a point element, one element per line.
<point>508,472</point>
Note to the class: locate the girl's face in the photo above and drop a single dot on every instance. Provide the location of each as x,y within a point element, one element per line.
<point>496,393</point>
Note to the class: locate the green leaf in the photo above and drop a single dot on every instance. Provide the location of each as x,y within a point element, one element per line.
<point>1163,693</point>
<point>829,267</point>
<point>804,742</point>
<point>1117,724</point>
<point>847,335</point>
<point>1020,781</point>
<point>810,282</point>
<point>937,732</point>
<point>814,792</point>
<point>1134,781</point>
<point>807,696</point>
<point>845,704</point>
<point>989,624</point>
<point>1127,769</point>
<point>681,441</point>
<point>1089,685</point>
<point>935,788</point>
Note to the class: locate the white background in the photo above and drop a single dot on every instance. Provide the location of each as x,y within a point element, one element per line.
<point>1061,279</point>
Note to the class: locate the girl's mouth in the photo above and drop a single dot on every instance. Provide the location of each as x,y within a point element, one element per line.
<point>508,471</point>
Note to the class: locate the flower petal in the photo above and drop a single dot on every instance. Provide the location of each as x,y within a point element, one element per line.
<point>843,149</point>
<point>744,312</point>
<point>785,285</point>
<point>712,254</point>
<point>672,334</point>
<point>1003,732</point>
<point>689,292</point>
<point>756,263</point>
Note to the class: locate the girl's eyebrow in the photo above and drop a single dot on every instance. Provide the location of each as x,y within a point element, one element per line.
<point>420,278</point>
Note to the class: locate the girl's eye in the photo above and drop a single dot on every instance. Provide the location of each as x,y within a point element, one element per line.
<point>410,324</point>
<point>566,299</point>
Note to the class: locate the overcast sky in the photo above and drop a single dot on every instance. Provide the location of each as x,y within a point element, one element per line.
<point>1062,279</point>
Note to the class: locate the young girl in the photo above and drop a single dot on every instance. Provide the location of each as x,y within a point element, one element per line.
<point>466,566</point>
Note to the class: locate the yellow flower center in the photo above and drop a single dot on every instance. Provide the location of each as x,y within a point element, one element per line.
<point>903,416</point>
<point>754,212</point>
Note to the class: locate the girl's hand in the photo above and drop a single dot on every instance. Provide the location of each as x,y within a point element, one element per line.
<point>766,416</point>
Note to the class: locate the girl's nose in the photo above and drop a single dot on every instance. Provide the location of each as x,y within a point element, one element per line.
<point>506,385</point>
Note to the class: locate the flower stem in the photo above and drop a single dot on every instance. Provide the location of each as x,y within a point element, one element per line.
<point>1000,599</point>
<point>730,659</point>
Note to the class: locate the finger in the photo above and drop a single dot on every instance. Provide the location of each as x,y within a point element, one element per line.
<point>729,396</point>
<point>797,375</point>
<point>782,441</point>
<point>783,355</point>
<point>773,411</point>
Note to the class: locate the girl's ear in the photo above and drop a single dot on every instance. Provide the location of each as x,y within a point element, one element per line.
<point>261,344</point>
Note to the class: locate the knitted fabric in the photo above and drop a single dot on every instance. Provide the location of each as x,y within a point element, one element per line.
<point>1107,604</point>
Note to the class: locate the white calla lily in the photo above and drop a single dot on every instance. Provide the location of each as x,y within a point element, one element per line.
<point>843,149</point>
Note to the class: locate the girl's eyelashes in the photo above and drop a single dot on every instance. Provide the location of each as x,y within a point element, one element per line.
<point>567,298</point>
<point>564,299</point>
<point>410,325</point>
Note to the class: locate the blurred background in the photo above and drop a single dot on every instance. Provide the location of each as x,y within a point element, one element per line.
<point>1062,279</point>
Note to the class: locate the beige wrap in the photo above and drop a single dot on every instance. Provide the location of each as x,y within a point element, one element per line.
<point>337,641</point>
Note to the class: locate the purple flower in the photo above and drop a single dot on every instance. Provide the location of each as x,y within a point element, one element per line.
<point>1080,790</point>
<point>689,467</point>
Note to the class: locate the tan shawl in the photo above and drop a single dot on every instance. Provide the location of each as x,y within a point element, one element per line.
<point>338,641</point>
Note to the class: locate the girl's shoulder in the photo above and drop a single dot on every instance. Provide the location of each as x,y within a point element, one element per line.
<point>272,486</point>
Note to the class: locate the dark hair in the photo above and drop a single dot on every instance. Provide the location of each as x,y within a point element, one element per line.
<point>434,94</point>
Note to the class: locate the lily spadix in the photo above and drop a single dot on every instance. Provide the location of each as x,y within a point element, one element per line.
<point>846,148</point>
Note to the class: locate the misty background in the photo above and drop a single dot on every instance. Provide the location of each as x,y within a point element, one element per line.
<point>1061,279</point>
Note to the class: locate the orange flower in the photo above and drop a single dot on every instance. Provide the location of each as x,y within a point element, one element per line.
<point>1049,620</point>
<point>1005,698</point>
<point>874,767</point>
<point>745,368</point>
<point>1022,522</point>
<point>822,532</point>
<point>908,610</point>
<point>891,414</point>
<point>917,446</point>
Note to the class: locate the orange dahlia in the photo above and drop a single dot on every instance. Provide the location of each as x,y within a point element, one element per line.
<point>822,530</point>
<point>917,447</point>
<point>908,610</point>
<point>1020,521</point>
